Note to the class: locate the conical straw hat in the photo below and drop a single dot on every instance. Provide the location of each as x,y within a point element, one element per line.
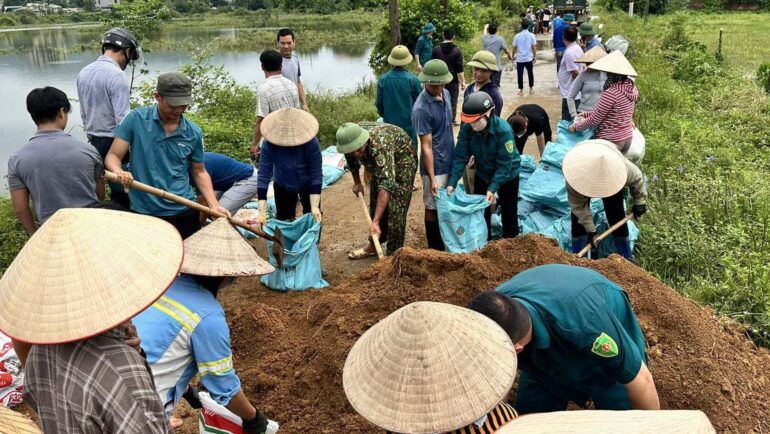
<point>611,422</point>
<point>615,63</point>
<point>220,250</point>
<point>289,127</point>
<point>429,367</point>
<point>86,271</point>
<point>592,55</point>
<point>13,422</point>
<point>595,168</point>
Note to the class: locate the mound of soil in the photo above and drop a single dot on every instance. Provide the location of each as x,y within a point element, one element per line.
<point>290,348</point>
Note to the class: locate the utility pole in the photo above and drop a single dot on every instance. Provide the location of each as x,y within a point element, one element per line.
<point>395,25</point>
<point>646,11</point>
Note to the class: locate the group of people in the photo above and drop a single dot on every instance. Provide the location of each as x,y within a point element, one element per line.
<point>148,363</point>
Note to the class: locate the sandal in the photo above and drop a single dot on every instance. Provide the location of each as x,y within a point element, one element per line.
<point>360,254</point>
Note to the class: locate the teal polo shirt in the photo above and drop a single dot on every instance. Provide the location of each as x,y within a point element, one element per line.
<point>160,160</point>
<point>397,90</point>
<point>584,331</point>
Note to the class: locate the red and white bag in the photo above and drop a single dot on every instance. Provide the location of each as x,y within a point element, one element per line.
<point>11,374</point>
<point>217,419</point>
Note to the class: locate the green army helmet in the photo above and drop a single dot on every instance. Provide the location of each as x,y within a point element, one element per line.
<point>484,60</point>
<point>351,137</point>
<point>400,56</point>
<point>435,72</point>
<point>586,29</point>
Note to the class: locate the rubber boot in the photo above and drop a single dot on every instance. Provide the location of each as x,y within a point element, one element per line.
<point>623,247</point>
<point>433,234</point>
<point>578,243</point>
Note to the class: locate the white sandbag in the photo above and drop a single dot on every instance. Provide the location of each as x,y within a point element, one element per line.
<point>637,148</point>
<point>617,43</point>
<point>11,374</point>
<point>611,422</point>
<point>218,419</point>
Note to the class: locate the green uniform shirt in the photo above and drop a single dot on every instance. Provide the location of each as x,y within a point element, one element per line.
<point>397,90</point>
<point>389,156</point>
<point>584,330</point>
<point>496,158</point>
<point>424,48</point>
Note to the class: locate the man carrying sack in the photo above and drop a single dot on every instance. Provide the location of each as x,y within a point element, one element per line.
<point>185,333</point>
<point>387,152</point>
<point>81,375</point>
<point>595,168</point>
<point>405,376</point>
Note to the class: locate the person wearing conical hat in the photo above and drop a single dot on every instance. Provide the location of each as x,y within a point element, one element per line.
<point>397,90</point>
<point>81,376</point>
<point>484,64</point>
<point>589,84</point>
<point>404,376</point>
<point>577,338</point>
<point>290,157</point>
<point>424,46</point>
<point>386,151</point>
<point>432,118</point>
<point>596,169</point>
<point>613,115</point>
<point>185,332</point>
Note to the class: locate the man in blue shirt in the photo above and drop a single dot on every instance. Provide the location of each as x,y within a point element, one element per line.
<point>166,152</point>
<point>432,118</point>
<point>397,90</point>
<point>185,332</point>
<point>577,338</point>
<point>235,183</point>
<point>558,34</point>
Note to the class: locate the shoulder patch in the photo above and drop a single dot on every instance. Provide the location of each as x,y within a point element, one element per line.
<point>509,146</point>
<point>604,346</point>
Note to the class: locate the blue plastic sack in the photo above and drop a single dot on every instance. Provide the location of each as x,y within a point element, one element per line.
<point>302,262</point>
<point>461,220</point>
<point>564,137</point>
<point>561,231</point>
<point>546,187</point>
<point>528,166</point>
<point>333,166</point>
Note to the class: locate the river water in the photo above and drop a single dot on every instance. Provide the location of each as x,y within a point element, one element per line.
<point>48,57</point>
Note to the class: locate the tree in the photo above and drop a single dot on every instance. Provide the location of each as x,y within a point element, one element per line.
<point>395,25</point>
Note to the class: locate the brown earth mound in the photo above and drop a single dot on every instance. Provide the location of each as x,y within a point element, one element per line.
<point>290,348</point>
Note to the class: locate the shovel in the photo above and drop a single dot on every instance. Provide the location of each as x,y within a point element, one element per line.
<point>605,234</point>
<point>277,239</point>
<point>376,240</point>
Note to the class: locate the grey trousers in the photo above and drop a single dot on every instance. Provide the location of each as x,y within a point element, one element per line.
<point>239,194</point>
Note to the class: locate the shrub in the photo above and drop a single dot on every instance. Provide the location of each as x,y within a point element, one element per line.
<point>763,76</point>
<point>12,234</point>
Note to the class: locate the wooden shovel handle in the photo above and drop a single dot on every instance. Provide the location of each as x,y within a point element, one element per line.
<point>376,240</point>
<point>605,234</point>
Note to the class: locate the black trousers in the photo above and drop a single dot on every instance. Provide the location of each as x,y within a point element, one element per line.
<point>507,200</point>
<point>565,109</point>
<point>496,77</point>
<point>454,92</point>
<point>186,223</point>
<point>547,137</point>
<point>520,66</point>
<point>102,145</point>
<point>286,202</point>
<point>613,207</point>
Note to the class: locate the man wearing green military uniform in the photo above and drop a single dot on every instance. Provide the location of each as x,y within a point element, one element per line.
<point>387,152</point>
<point>577,338</point>
<point>397,90</point>
<point>424,46</point>
<point>489,140</point>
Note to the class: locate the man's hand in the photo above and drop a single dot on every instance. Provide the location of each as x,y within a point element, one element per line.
<point>419,67</point>
<point>257,425</point>
<point>434,187</point>
<point>358,188</point>
<point>262,217</point>
<point>592,239</point>
<point>132,337</point>
<point>639,210</point>
<point>224,211</point>
<point>125,178</point>
<point>450,189</point>
<point>490,197</point>
<point>254,151</point>
<point>534,60</point>
<point>374,229</point>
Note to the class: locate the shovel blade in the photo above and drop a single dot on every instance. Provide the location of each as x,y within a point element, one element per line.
<point>278,247</point>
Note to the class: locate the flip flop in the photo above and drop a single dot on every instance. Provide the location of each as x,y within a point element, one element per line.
<point>360,254</point>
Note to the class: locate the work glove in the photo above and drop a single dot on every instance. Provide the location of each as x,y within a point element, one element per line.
<point>592,238</point>
<point>257,425</point>
<point>192,398</point>
<point>315,207</point>
<point>639,210</point>
<point>262,217</point>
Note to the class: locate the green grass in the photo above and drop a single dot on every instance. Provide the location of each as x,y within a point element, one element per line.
<point>12,234</point>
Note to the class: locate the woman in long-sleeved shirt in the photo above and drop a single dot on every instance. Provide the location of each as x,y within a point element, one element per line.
<point>589,84</point>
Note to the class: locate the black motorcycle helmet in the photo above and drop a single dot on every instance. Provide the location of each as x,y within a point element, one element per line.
<point>476,105</point>
<point>123,39</point>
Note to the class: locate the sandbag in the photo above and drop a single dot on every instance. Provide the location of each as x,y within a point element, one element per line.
<point>617,43</point>
<point>611,422</point>
<point>546,187</point>
<point>561,231</point>
<point>218,419</point>
<point>636,150</point>
<point>528,166</point>
<point>461,220</point>
<point>564,137</point>
<point>333,166</point>
<point>11,374</point>
<point>302,262</point>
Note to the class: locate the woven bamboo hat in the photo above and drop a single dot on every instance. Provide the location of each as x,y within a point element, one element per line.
<point>595,168</point>
<point>429,367</point>
<point>610,422</point>
<point>13,422</point>
<point>58,289</point>
<point>615,63</point>
<point>289,127</point>
<point>592,55</point>
<point>220,250</point>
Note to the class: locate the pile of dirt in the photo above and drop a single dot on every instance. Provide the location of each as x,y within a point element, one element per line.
<point>290,348</point>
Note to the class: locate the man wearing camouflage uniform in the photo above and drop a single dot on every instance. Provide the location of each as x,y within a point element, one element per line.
<point>387,152</point>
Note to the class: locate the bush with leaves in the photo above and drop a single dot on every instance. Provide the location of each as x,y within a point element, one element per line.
<point>12,234</point>
<point>763,76</point>
<point>141,17</point>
